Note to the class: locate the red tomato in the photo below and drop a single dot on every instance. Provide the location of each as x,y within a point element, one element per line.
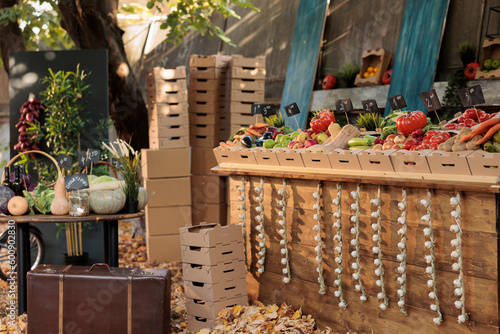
<point>386,77</point>
<point>471,113</point>
<point>468,122</point>
<point>452,126</point>
<point>423,145</point>
<point>409,144</point>
<point>470,70</point>
<point>414,148</point>
<point>461,125</point>
<point>433,146</point>
<point>411,121</point>
<point>321,121</point>
<point>461,119</point>
<point>484,117</point>
<point>329,81</point>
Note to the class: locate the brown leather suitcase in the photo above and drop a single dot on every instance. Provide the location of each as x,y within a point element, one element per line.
<point>98,299</point>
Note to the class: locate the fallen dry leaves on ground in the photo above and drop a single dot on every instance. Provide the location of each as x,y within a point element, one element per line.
<point>239,319</point>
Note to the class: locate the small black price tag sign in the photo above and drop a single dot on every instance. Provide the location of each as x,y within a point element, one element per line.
<point>471,96</point>
<point>339,106</point>
<point>76,182</point>
<point>268,110</point>
<point>397,102</point>
<point>292,109</point>
<point>82,160</point>
<point>94,155</point>
<point>431,100</point>
<point>370,106</point>
<point>64,161</point>
<point>344,105</point>
<point>256,109</point>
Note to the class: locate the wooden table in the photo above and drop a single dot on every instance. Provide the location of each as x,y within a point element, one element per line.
<point>480,222</point>
<point>110,239</point>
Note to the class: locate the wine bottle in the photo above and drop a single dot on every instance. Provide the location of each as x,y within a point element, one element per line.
<point>6,178</point>
<point>17,185</point>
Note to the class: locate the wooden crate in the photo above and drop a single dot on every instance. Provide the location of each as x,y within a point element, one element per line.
<point>479,249</point>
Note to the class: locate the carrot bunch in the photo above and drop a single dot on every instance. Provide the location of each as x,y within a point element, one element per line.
<point>487,128</point>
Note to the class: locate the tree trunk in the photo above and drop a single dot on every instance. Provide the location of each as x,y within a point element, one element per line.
<point>11,36</point>
<point>92,24</point>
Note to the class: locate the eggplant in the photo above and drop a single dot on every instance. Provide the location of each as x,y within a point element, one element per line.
<point>259,142</point>
<point>268,135</point>
<point>247,141</point>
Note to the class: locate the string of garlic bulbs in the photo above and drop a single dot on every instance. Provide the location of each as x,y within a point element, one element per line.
<point>430,259</point>
<point>242,216</point>
<point>459,283</point>
<point>377,238</point>
<point>337,241</point>
<point>260,228</point>
<point>283,231</point>
<point>319,247</point>
<point>401,257</point>
<point>355,242</point>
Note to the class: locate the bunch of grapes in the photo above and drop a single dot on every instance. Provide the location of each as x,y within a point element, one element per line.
<point>30,112</point>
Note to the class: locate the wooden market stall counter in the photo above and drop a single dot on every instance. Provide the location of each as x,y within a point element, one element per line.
<point>110,239</point>
<point>474,198</point>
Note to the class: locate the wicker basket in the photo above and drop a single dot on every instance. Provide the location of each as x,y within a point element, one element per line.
<point>59,172</point>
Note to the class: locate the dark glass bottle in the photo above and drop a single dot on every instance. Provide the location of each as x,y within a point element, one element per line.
<point>17,184</point>
<point>6,177</point>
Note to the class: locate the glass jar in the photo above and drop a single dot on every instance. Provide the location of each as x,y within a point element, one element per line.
<point>79,203</point>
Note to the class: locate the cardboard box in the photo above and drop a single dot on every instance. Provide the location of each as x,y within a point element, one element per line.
<point>167,97</point>
<point>224,155</point>
<point>410,161</point>
<point>205,107</point>
<point>239,60</point>
<point>168,192</point>
<point>208,97</point>
<point>205,141</point>
<point>248,72</point>
<point>163,248</point>
<point>214,274</point>
<point>376,160</point>
<point>159,86</point>
<point>165,163</point>
<point>167,131</point>
<point>210,235</point>
<point>344,159</point>
<point>167,220</point>
<point>215,292</point>
<point>491,50</point>
<point>168,143</point>
<point>202,160</point>
<point>209,61</point>
<point>159,73</point>
<point>157,110</point>
<point>174,119</point>
<point>208,189</point>
<point>207,309</point>
<point>373,58</point>
<point>248,84</point>
<point>207,118</point>
<point>315,159</point>
<point>240,107</point>
<point>254,96</point>
<point>208,84</point>
<point>213,255</point>
<point>483,163</point>
<point>196,324</point>
<point>247,118</point>
<point>205,130</point>
<point>208,73</point>
<point>206,213</point>
<point>265,157</point>
<point>288,157</point>
<point>451,163</point>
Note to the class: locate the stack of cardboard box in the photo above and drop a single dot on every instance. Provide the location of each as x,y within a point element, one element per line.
<point>213,271</point>
<point>246,88</point>
<point>166,165</point>
<point>209,125</point>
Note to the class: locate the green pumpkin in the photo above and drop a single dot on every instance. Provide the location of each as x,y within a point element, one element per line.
<point>107,202</point>
<point>143,198</point>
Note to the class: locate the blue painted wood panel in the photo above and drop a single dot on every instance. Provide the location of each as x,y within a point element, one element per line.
<point>418,51</point>
<point>301,68</point>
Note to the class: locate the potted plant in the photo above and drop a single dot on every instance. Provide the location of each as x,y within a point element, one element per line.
<point>128,168</point>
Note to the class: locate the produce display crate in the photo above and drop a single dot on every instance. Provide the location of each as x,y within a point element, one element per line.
<point>245,118</point>
<point>163,86</point>
<point>376,160</point>
<point>169,142</point>
<point>210,235</point>
<point>265,157</point>
<point>167,131</point>
<point>248,68</point>
<point>234,155</point>
<point>202,95</point>
<point>247,84</point>
<point>160,74</point>
<point>491,50</point>
<point>483,163</point>
<point>213,107</point>
<point>208,84</point>
<point>215,291</point>
<point>254,96</point>
<point>206,141</point>
<point>209,310</point>
<point>166,120</point>
<point>373,58</point>
<point>315,159</point>
<point>209,61</point>
<point>206,129</point>
<point>410,161</point>
<point>288,157</point>
<point>207,118</point>
<point>208,73</point>
<point>213,255</point>
<point>450,163</point>
<point>344,159</point>
<point>180,96</point>
<point>208,189</point>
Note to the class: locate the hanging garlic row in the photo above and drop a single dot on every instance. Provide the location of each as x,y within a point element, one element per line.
<point>242,216</point>
<point>260,228</point>
<point>458,283</point>
<point>337,241</point>
<point>377,249</point>
<point>319,247</point>
<point>283,232</point>
<point>430,259</point>
<point>355,242</point>
<point>401,257</point>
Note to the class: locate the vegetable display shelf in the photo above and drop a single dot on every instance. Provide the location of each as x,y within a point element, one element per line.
<point>371,251</point>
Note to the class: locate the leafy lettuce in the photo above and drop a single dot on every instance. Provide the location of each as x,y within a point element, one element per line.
<point>42,199</point>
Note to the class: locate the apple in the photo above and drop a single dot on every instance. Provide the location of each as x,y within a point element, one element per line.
<point>487,64</point>
<point>313,136</point>
<point>291,144</point>
<point>495,64</point>
<point>322,137</point>
<point>285,137</point>
<point>302,137</point>
<point>285,143</point>
<point>269,143</point>
<point>308,131</point>
<point>310,142</point>
<point>277,135</point>
<point>298,145</point>
<point>293,134</point>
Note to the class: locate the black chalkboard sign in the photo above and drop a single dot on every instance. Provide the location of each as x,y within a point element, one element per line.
<point>94,155</point>
<point>266,110</point>
<point>471,96</point>
<point>256,109</point>
<point>82,160</point>
<point>339,106</point>
<point>370,106</point>
<point>292,109</point>
<point>344,105</point>
<point>431,100</point>
<point>64,161</point>
<point>397,102</point>
<point>76,182</point>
